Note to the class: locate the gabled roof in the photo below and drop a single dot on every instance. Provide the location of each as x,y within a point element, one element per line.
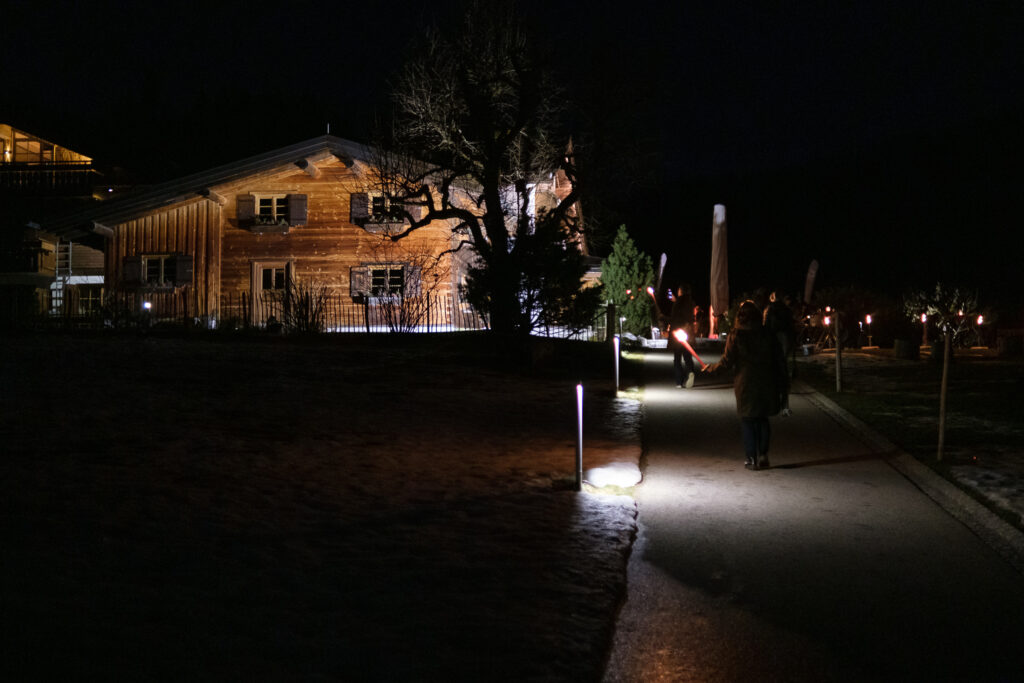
<point>61,152</point>
<point>91,222</point>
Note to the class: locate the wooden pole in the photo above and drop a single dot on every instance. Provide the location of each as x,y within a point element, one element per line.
<point>839,355</point>
<point>946,355</point>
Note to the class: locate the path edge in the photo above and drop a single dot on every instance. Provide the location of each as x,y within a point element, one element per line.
<point>1001,536</point>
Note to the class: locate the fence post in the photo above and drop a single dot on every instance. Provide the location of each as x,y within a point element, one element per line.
<point>609,322</point>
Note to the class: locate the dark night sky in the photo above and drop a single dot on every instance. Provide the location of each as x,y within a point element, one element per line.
<point>883,139</point>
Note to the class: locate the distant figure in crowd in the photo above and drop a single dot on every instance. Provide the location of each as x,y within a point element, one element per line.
<point>778,318</point>
<point>760,381</point>
<point>681,318</point>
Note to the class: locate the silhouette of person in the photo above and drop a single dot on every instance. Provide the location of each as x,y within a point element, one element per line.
<point>778,318</point>
<point>760,381</point>
<point>681,318</point>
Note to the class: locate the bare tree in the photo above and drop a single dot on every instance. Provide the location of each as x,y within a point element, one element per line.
<point>304,307</point>
<point>411,279</point>
<point>951,308</point>
<point>476,106</point>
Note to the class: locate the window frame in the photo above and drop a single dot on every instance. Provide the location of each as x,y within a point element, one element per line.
<point>390,211</point>
<point>390,287</point>
<point>278,205</point>
<point>166,271</point>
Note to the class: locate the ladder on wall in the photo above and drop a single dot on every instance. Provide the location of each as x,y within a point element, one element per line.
<point>62,275</point>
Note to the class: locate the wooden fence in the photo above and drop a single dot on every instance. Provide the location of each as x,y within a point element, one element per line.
<point>325,313</point>
<point>339,313</point>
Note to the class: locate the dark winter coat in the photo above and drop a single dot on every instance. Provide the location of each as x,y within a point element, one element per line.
<point>760,379</point>
<point>681,317</point>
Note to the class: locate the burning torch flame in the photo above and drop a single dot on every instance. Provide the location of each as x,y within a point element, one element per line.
<point>681,337</point>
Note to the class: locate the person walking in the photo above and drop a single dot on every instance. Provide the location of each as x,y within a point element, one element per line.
<point>760,380</point>
<point>778,318</point>
<point>681,318</point>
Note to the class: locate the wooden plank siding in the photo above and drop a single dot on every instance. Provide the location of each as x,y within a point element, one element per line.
<point>193,228</point>
<point>321,252</point>
<point>328,245</point>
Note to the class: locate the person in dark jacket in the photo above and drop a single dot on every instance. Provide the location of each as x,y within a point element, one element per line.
<point>681,318</point>
<point>778,318</point>
<point>760,380</point>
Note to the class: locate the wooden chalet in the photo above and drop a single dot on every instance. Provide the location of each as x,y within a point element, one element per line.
<point>32,166</point>
<point>40,273</point>
<point>546,195</point>
<point>235,243</point>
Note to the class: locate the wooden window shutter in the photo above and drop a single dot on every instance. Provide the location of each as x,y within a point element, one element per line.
<point>182,269</point>
<point>132,271</point>
<point>358,281</point>
<point>296,209</point>
<point>246,207</point>
<point>412,276</point>
<point>359,206</point>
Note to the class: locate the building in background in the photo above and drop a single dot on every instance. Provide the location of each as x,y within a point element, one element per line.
<point>39,271</point>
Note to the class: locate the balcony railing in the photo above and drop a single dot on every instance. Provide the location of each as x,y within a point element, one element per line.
<point>67,179</point>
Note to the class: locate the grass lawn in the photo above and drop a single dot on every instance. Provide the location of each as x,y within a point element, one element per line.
<point>233,507</point>
<point>900,399</point>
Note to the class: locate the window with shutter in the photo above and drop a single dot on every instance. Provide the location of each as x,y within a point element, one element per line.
<point>387,279</point>
<point>246,208</point>
<point>158,270</point>
<point>296,209</point>
<point>412,280</point>
<point>271,212</point>
<point>359,208</point>
<point>132,271</point>
<point>182,269</point>
<point>386,209</point>
<point>358,281</point>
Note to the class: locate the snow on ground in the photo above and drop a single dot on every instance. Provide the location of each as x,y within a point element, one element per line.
<point>993,468</point>
<point>1000,480</point>
<point>183,508</point>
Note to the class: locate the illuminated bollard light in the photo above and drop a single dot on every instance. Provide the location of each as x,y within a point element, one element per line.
<point>615,346</point>
<point>579,436</point>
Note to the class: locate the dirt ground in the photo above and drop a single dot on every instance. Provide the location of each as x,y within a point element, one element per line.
<point>222,508</point>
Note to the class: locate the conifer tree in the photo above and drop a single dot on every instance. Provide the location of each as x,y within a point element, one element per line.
<point>626,274</point>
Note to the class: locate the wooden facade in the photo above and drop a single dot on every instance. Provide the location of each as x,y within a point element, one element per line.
<point>303,216</point>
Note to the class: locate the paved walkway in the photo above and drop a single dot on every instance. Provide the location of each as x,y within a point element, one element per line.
<point>832,565</point>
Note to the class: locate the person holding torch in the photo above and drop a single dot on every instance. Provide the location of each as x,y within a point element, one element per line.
<point>760,381</point>
<point>681,329</point>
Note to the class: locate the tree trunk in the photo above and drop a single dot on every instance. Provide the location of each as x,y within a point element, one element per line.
<point>946,355</point>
